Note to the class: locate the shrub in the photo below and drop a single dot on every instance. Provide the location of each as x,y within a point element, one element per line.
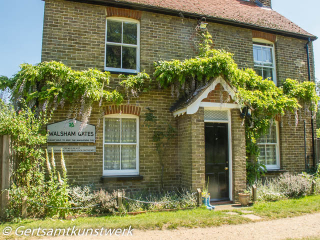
<point>294,186</point>
<point>162,200</point>
<point>48,198</point>
<point>285,186</point>
<point>81,196</point>
<point>269,191</point>
<point>107,201</point>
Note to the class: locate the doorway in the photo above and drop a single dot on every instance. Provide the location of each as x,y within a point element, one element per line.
<point>217,160</point>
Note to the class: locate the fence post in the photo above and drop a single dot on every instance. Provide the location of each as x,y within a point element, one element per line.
<point>24,207</point>
<point>254,193</point>
<point>313,187</point>
<point>199,197</point>
<point>5,172</point>
<point>119,199</point>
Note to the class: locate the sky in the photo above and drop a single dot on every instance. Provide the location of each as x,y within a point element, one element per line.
<point>21,23</point>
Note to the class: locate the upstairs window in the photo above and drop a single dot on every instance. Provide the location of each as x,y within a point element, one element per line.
<point>264,61</point>
<point>122,45</point>
<point>269,148</point>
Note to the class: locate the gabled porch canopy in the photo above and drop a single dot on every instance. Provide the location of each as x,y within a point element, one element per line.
<point>191,105</point>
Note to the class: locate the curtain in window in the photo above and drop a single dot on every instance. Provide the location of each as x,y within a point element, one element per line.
<point>120,147</point>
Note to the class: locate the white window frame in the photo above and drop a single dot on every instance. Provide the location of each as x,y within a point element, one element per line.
<point>277,144</point>
<point>121,172</point>
<point>111,69</point>
<point>259,42</point>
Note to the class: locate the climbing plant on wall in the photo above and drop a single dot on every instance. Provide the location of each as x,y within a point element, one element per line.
<point>263,97</point>
<point>49,84</point>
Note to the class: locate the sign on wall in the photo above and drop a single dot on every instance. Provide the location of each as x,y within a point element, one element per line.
<point>69,131</point>
<point>72,149</point>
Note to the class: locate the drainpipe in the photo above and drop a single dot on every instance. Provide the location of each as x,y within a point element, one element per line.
<point>305,145</point>
<point>312,122</point>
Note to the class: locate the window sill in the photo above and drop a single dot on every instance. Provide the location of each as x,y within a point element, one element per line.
<point>276,171</point>
<point>121,72</point>
<point>121,178</point>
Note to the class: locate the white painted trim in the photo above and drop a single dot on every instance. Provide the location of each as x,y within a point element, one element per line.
<point>121,19</point>
<point>262,40</point>
<point>229,147</point>
<point>194,107</point>
<point>219,106</point>
<point>230,157</point>
<point>274,70</point>
<point>179,112</point>
<point>122,172</point>
<point>277,144</point>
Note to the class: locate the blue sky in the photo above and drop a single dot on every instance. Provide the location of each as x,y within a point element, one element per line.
<point>21,23</point>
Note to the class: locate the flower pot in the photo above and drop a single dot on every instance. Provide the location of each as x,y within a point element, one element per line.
<point>244,199</point>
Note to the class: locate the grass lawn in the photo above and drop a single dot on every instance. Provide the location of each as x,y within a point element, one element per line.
<point>200,217</point>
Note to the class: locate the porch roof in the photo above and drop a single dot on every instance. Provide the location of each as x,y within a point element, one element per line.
<point>191,104</point>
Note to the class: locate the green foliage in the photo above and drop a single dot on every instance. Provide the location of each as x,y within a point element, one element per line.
<point>161,137</point>
<point>135,83</point>
<point>263,97</point>
<point>158,201</point>
<point>48,196</point>
<point>50,84</point>
<point>27,136</point>
<point>255,171</point>
<point>57,186</point>
<point>318,132</point>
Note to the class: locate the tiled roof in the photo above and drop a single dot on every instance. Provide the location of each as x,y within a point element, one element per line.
<point>233,11</point>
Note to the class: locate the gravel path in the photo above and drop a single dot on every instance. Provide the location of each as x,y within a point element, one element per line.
<point>297,227</point>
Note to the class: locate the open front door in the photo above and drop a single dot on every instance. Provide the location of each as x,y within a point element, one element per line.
<point>217,172</point>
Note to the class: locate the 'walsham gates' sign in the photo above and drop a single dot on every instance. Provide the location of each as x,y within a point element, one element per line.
<point>69,131</point>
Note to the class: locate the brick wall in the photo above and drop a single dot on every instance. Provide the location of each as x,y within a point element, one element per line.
<point>185,150</point>
<point>291,59</point>
<point>198,149</point>
<point>238,153</point>
<point>87,168</point>
<point>292,151</point>
<point>219,95</point>
<point>74,33</point>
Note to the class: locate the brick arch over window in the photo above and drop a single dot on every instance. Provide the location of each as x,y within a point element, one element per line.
<point>123,109</point>
<point>263,35</point>
<point>120,12</point>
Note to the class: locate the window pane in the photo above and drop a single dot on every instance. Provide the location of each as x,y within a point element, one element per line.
<point>113,58</point>
<point>129,58</point>
<point>267,57</point>
<point>257,54</point>
<point>112,157</point>
<point>272,135</point>
<point>271,155</point>
<point>128,157</point>
<point>129,130</point>
<point>267,73</point>
<point>258,71</point>
<point>262,157</point>
<point>114,29</point>
<point>112,130</point>
<point>130,33</point>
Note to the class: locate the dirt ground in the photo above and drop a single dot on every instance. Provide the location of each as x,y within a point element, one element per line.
<point>297,227</point>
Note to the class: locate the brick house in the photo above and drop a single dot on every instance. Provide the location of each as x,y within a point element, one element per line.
<point>129,36</point>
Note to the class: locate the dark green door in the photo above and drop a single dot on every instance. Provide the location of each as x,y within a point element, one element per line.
<point>217,160</point>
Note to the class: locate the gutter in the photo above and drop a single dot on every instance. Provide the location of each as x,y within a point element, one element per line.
<point>312,122</point>
<point>177,13</point>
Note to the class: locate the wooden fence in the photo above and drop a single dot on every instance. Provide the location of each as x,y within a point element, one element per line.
<point>5,172</point>
<point>317,150</point>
